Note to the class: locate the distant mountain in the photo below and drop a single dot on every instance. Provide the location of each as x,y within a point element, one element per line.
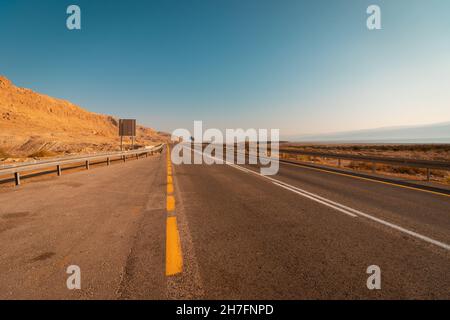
<point>433,133</point>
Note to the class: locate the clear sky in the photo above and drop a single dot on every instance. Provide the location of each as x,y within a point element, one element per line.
<point>305,67</point>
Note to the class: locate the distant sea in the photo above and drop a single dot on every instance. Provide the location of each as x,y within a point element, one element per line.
<point>375,141</point>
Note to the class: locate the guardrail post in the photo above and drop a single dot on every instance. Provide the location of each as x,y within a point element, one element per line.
<point>87,164</point>
<point>137,156</point>
<point>17,178</point>
<point>339,163</point>
<point>146,154</point>
<point>58,169</point>
<point>428,174</point>
<point>124,157</point>
<point>108,161</point>
<point>374,167</point>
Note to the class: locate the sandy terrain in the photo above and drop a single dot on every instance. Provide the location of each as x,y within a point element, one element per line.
<point>34,125</point>
<point>438,152</point>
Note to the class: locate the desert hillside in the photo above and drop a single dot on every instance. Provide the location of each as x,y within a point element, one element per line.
<point>33,124</point>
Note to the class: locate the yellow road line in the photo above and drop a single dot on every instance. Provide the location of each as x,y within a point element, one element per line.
<point>368,179</point>
<point>174,260</point>
<point>170,203</point>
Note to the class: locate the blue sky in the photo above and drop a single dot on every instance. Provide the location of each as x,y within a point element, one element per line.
<point>305,67</point>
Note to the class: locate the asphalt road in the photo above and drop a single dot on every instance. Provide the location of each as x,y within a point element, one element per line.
<point>98,220</point>
<point>242,236</point>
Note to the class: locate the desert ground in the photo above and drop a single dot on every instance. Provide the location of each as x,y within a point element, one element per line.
<point>437,152</point>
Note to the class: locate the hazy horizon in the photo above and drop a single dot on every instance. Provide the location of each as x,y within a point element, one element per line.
<point>426,133</point>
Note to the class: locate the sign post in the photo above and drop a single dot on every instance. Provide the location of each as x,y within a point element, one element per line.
<point>127,128</point>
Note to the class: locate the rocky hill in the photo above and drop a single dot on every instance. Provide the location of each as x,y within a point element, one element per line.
<point>33,125</point>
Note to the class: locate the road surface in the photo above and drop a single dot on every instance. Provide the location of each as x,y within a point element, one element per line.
<point>242,236</point>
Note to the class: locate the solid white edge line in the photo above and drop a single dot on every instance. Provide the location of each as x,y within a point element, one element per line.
<point>317,200</point>
<point>310,194</point>
<point>365,215</point>
<point>339,207</point>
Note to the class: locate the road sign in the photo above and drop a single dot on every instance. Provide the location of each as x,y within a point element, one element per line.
<point>127,127</point>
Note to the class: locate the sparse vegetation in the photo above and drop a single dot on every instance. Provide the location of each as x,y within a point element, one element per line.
<point>359,165</point>
<point>303,158</point>
<point>440,152</point>
<point>4,154</point>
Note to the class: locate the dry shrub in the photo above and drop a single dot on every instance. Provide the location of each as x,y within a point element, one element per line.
<point>303,158</point>
<point>398,169</point>
<point>438,173</point>
<point>42,154</point>
<point>447,181</point>
<point>355,165</point>
<point>4,154</point>
<point>407,170</point>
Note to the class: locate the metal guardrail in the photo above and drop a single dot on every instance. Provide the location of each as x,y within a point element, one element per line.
<point>425,164</point>
<point>16,170</point>
<point>405,162</point>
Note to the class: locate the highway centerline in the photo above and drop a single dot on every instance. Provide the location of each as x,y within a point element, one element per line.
<point>170,203</point>
<point>174,257</point>
<point>174,260</point>
<point>337,206</point>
